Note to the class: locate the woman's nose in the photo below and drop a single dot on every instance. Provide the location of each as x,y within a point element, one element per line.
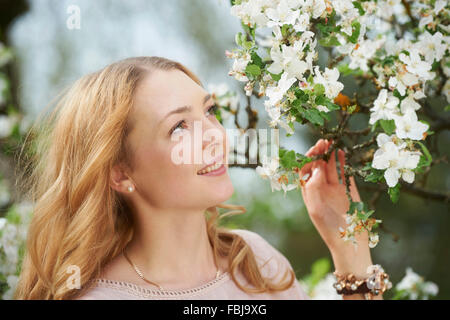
<point>213,135</point>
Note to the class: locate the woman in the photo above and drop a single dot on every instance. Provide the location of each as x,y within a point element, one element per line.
<point>117,216</point>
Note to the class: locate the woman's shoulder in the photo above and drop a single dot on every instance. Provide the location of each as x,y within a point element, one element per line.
<point>260,246</point>
<point>273,261</point>
<point>273,264</point>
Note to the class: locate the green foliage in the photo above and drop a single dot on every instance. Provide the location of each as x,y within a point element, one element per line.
<point>356,28</point>
<point>241,40</point>
<point>290,159</point>
<point>249,30</point>
<point>358,6</point>
<point>394,193</point>
<point>256,59</point>
<point>374,175</point>
<point>253,70</point>
<point>330,41</point>
<point>324,101</point>
<point>388,126</point>
<point>274,76</point>
<point>345,70</point>
<point>319,269</point>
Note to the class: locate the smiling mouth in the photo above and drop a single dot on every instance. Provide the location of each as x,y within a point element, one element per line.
<point>210,168</point>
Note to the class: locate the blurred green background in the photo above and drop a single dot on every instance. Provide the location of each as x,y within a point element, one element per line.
<point>49,57</point>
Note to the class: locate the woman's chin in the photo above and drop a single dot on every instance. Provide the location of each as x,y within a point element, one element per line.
<point>220,192</point>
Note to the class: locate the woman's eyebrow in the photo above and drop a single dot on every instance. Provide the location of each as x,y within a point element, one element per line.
<point>184,109</point>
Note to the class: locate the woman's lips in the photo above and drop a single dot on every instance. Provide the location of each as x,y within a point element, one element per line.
<point>215,161</point>
<point>217,172</point>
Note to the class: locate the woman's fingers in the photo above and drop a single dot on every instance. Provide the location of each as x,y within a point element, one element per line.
<point>317,149</point>
<point>312,192</point>
<point>332,175</point>
<point>318,178</point>
<point>354,190</point>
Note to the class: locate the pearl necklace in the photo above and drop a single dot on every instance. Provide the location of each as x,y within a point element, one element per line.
<point>153,283</point>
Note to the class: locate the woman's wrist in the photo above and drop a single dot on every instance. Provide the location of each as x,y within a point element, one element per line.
<point>355,262</point>
<point>347,260</point>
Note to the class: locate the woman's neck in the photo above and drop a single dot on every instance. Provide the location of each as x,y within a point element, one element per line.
<point>172,248</point>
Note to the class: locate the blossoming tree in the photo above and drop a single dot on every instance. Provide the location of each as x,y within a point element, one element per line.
<point>397,50</point>
<point>407,64</point>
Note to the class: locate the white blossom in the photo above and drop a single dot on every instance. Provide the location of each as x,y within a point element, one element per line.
<point>282,14</point>
<point>364,51</point>
<point>407,126</point>
<point>409,104</point>
<point>431,46</point>
<point>269,171</point>
<point>277,92</point>
<point>415,285</point>
<point>251,12</point>
<point>6,125</point>
<point>397,162</point>
<point>238,69</point>
<point>329,79</point>
<point>384,107</point>
<point>402,80</point>
<point>416,65</point>
<point>446,90</point>
<point>324,289</point>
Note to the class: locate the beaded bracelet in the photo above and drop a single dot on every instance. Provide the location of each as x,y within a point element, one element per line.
<point>378,282</point>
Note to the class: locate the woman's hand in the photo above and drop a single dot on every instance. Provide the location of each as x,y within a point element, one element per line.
<point>327,204</point>
<point>324,197</point>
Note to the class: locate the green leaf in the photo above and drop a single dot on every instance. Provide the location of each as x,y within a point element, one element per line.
<point>358,6</point>
<point>397,94</point>
<point>301,95</point>
<point>284,29</point>
<point>313,115</point>
<point>274,76</point>
<point>426,152</point>
<point>355,33</point>
<point>388,126</point>
<point>256,59</point>
<point>375,176</point>
<point>319,269</point>
<point>249,30</point>
<point>351,109</point>
<point>319,89</point>
<point>288,159</point>
<point>447,108</point>
<point>238,39</point>
<point>394,193</point>
<point>253,69</point>
<point>330,41</point>
<point>345,70</point>
<point>390,60</point>
<point>324,101</point>
<point>302,160</point>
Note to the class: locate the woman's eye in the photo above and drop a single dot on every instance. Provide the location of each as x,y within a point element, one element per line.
<point>180,125</point>
<point>212,110</point>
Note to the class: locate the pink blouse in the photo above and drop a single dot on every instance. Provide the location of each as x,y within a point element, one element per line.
<point>222,288</point>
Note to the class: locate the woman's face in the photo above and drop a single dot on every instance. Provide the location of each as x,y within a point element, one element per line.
<point>176,134</point>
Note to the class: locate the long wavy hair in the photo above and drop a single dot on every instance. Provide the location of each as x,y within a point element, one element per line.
<point>78,219</point>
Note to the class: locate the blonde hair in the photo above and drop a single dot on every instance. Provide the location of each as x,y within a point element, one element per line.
<point>78,218</point>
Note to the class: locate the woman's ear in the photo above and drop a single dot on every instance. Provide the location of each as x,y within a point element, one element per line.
<point>119,181</point>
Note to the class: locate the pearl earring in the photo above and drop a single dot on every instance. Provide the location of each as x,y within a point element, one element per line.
<point>130,188</point>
